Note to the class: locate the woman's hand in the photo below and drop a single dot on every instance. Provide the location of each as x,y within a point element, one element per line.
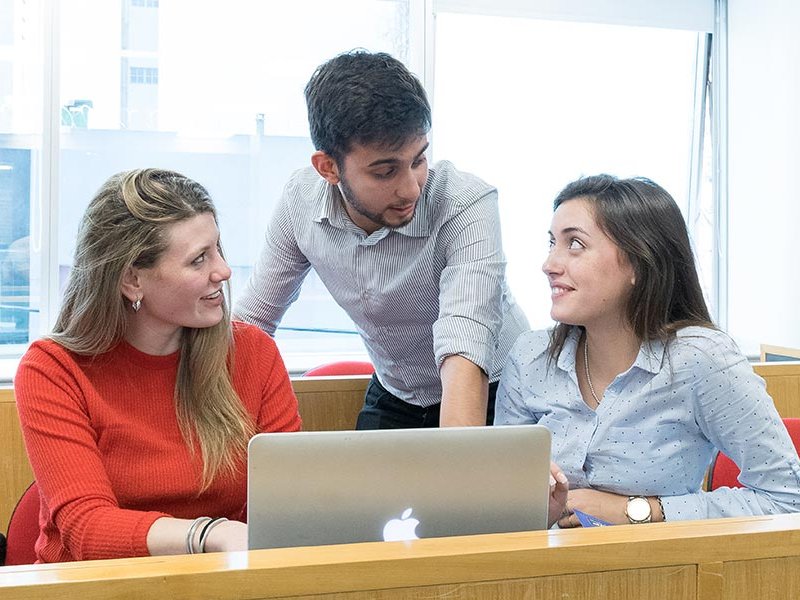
<point>559,487</point>
<point>167,536</point>
<point>229,536</point>
<point>603,505</point>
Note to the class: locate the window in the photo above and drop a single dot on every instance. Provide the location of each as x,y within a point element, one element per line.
<point>22,225</point>
<point>241,136</point>
<point>571,99</point>
<point>764,212</point>
<point>15,232</point>
<point>527,95</point>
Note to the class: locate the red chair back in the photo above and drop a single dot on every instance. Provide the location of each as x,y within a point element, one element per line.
<point>23,529</point>
<point>342,367</point>
<point>723,472</point>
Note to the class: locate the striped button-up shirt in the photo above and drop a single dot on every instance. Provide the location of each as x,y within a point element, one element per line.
<point>417,294</point>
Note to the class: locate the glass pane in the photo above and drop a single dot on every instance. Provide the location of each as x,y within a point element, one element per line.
<point>536,104</point>
<point>763,158</point>
<point>20,154</point>
<point>220,100</point>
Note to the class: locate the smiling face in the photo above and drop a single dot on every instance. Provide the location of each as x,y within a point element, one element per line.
<point>381,187</point>
<point>183,288</point>
<point>590,279</point>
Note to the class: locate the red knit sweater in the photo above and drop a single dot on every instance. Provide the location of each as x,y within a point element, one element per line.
<point>103,440</point>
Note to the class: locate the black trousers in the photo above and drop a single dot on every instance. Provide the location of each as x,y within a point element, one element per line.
<point>384,410</point>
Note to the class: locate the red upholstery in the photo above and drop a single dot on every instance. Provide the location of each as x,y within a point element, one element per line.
<point>23,529</point>
<point>724,472</point>
<point>342,367</point>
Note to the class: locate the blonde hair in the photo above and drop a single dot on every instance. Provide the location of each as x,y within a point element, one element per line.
<point>126,225</point>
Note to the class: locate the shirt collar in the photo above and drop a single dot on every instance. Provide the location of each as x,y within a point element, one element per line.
<point>566,360</point>
<point>330,205</point>
<point>650,357</point>
<point>332,209</point>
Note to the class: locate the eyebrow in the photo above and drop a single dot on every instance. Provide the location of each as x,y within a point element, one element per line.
<point>573,229</point>
<point>393,160</point>
<point>196,251</point>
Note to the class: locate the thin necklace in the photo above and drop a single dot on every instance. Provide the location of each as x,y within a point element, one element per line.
<point>586,364</point>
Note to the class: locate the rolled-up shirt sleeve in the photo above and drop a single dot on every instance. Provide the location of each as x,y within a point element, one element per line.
<point>471,285</point>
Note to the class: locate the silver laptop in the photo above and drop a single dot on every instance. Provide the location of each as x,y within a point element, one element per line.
<point>337,487</point>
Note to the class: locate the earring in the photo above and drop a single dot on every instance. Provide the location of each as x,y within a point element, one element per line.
<point>136,304</point>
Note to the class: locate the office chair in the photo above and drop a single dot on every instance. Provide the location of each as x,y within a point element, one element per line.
<point>723,472</point>
<point>23,529</point>
<point>342,367</point>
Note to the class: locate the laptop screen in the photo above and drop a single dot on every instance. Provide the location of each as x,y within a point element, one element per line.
<point>334,487</point>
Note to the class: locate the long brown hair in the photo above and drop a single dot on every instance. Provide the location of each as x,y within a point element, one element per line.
<point>644,221</point>
<point>126,225</point>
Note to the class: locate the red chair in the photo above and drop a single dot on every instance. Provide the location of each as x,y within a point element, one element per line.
<point>342,367</point>
<point>723,472</point>
<point>23,529</point>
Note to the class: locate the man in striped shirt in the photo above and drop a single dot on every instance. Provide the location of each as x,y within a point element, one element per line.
<point>412,253</point>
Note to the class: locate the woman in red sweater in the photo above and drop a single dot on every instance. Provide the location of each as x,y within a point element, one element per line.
<point>138,408</point>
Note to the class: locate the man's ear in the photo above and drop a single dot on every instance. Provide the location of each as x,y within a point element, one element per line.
<point>131,287</point>
<point>326,166</point>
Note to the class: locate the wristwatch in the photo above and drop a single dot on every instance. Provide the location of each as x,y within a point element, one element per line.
<point>638,510</point>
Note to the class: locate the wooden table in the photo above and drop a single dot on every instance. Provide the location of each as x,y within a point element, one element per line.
<point>747,559</point>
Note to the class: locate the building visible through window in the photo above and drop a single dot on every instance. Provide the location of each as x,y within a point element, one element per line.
<point>15,229</point>
<point>147,75</point>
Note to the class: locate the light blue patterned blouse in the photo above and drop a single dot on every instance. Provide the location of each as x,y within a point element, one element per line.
<point>658,423</point>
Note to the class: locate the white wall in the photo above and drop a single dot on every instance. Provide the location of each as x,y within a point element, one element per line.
<point>764,159</point>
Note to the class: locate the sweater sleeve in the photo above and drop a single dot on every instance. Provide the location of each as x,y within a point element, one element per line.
<point>279,410</point>
<point>51,394</point>
<point>258,356</point>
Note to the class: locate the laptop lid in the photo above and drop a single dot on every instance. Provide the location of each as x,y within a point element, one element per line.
<point>335,487</point>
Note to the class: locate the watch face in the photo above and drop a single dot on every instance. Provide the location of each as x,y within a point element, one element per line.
<point>638,510</point>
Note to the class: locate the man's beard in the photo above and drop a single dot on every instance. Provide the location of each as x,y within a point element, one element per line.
<point>353,201</point>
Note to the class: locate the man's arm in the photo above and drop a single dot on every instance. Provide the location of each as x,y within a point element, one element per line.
<point>470,310</point>
<point>465,393</point>
<point>279,273</point>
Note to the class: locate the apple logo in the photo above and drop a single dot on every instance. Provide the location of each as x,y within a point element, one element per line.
<point>398,530</point>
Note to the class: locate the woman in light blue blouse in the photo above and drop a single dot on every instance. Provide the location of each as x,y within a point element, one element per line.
<point>635,383</point>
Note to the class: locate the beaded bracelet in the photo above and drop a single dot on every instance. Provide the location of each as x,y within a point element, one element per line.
<point>661,506</point>
<point>206,531</point>
<point>191,531</point>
